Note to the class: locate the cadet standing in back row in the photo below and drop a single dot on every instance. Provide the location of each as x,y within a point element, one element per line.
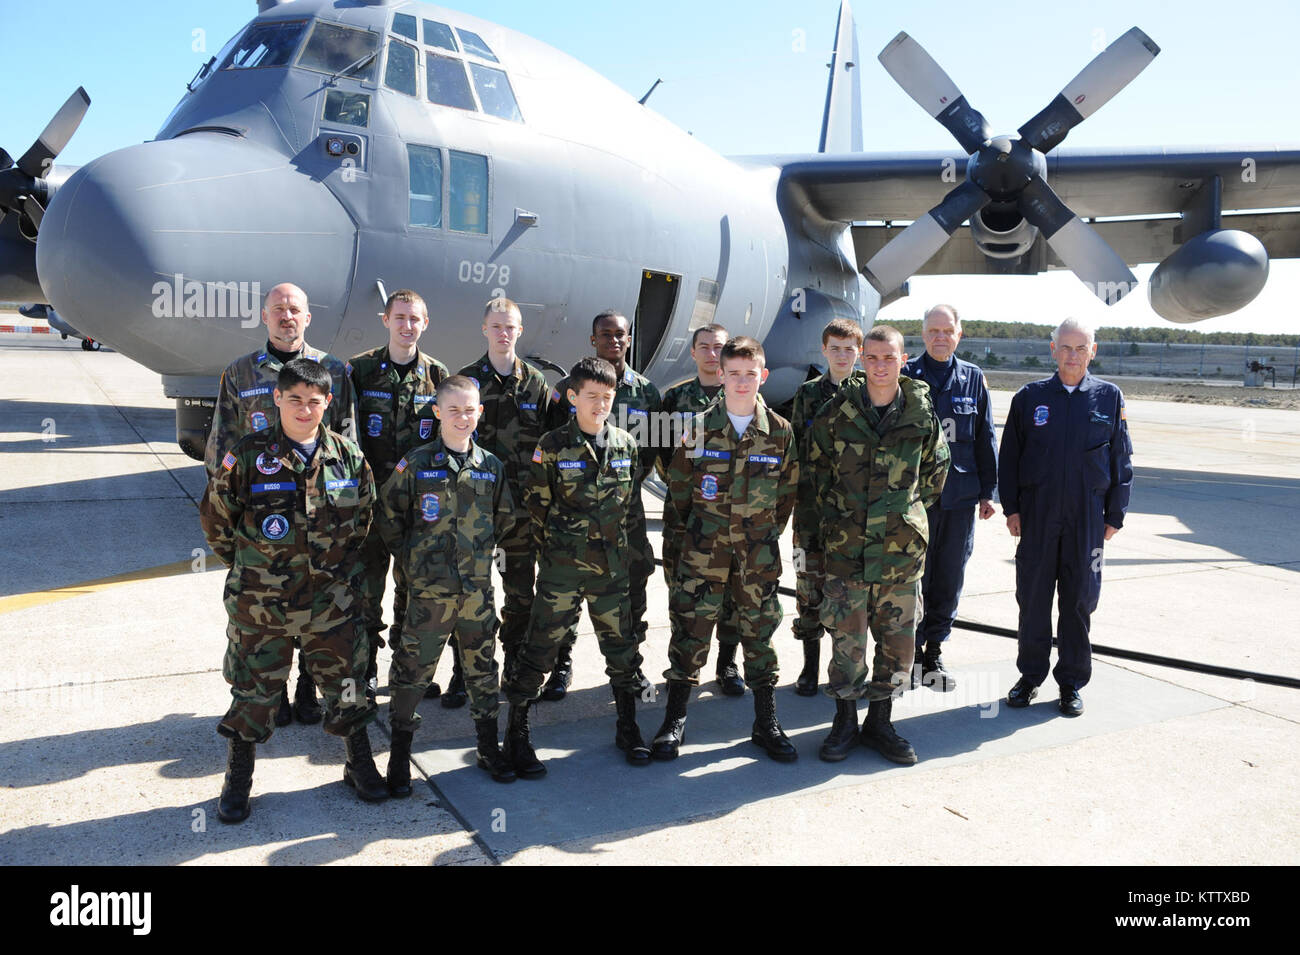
<point>635,404</point>
<point>396,386</point>
<point>245,404</point>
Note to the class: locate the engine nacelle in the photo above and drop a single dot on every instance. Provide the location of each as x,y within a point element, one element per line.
<point>1215,273</point>
<point>1002,233</point>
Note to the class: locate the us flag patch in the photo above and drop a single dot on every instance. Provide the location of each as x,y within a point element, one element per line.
<point>537,455</point>
<point>228,461</point>
<point>401,466</point>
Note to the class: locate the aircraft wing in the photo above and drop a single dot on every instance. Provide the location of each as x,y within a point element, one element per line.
<point>1150,187</point>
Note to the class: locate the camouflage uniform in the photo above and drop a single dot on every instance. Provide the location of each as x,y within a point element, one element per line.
<point>394,415</point>
<point>442,519</point>
<point>874,476</point>
<point>635,404</point>
<point>732,497</point>
<point>579,504</point>
<point>808,400</point>
<point>291,534</point>
<point>514,408</point>
<point>246,402</point>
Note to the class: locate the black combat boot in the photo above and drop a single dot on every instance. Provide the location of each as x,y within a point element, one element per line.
<point>359,772</point>
<point>233,804</point>
<point>767,731</point>
<point>284,712</point>
<point>806,685</point>
<point>878,733</point>
<point>557,686</point>
<point>519,744</point>
<point>305,708</point>
<point>433,691</point>
<point>729,680</point>
<point>627,736</point>
<point>490,756</point>
<point>843,738</point>
<point>399,764</point>
<point>672,733</point>
<point>933,673</point>
<point>455,697</point>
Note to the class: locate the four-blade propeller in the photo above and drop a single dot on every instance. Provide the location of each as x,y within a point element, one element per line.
<point>23,185</point>
<point>1010,173</point>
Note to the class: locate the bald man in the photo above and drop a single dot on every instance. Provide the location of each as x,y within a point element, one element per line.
<point>245,404</point>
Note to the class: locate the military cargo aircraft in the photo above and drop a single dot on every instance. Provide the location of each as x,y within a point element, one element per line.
<point>357,147</point>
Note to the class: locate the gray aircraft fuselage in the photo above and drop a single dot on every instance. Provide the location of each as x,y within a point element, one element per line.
<point>587,201</point>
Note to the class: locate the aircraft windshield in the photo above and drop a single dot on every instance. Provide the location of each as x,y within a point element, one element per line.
<point>494,93</point>
<point>400,73</point>
<point>447,85</point>
<point>474,44</point>
<point>404,25</point>
<point>264,45</point>
<point>332,49</point>
<point>439,35</point>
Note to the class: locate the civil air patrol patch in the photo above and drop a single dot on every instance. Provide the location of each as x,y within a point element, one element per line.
<point>765,458</point>
<point>275,527</point>
<point>228,461</point>
<point>621,463</point>
<point>1040,416</point>
<point>555,394</point>
<point>374,425</point>
<point>537,456</point>
<point>528,406</point>
<point>709,487</point>
<point>268,463</point>
<point>257,421</point>
<point>426,428</point>
<point>430,507</point>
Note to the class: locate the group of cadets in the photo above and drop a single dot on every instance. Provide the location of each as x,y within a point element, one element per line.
<point>322,472</point>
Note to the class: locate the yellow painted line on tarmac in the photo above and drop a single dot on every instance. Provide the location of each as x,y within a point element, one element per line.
<point>55,594</point>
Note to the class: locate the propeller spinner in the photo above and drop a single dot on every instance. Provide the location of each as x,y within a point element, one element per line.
<point>1010,172</point>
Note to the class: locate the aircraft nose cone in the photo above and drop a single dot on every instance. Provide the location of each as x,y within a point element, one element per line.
<point>164,250</point>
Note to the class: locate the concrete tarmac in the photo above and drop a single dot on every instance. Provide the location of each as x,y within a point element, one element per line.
<point>112,633</point>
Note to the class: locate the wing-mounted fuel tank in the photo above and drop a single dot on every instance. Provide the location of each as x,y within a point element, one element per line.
<point>1212,274</point>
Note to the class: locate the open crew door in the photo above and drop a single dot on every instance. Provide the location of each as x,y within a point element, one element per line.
<point>654,313</point>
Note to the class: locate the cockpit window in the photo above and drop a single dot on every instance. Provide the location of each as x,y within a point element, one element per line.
<point>447,85</point>
<point>400,73</point>
<point>404,25</point>
<point>332,49</point>
<point>425,164</point>
<point>494,93</point>
<point>439,35</point>
<point>344,107</point>
<point>264,44</point>
<point>468,192</point>
<point>473,43</point>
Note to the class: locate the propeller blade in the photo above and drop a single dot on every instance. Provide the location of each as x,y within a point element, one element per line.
<point>1077,244</point>
<point>5,159</point>
<point>1109,72</point>
<point>908,251</point>
<point>33,210</point>
<point>36,161</point>
<point>925,81</point>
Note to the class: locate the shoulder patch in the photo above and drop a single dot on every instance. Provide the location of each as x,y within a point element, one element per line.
<point>401,466</point>
<point>228,461</point>
<point>537,455</point>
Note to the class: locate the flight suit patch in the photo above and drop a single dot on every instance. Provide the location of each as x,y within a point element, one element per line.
<point>1040,416</point>
<point>275,527</point>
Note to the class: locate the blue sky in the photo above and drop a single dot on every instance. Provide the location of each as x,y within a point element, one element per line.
<point>754,82</point>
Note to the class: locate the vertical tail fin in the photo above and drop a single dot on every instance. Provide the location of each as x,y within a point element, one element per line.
<point>842,121</point>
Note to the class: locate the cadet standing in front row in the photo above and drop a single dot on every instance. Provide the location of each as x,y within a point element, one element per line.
<point>396,387</point>
<point>288,511</point>
<point>878,459</point>
<point>580,489</point>
<point>441,514</point>
<point>731,486</point>
<point>635,403</point>
<point>245,404</point>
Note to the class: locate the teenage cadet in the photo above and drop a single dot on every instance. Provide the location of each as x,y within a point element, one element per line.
<point>581,486</point>
<point>681,403</point>
<point>961,403</point>
<point>288,511</point>
<point>245,404</point>
<point>635,405</point>
<point>396,387</point>
<point>841,346</point>
<point>878,459</point>
<point>441,514</point>
<point>732,486</point>
<point>515,397</point>
<point>1064,473</point>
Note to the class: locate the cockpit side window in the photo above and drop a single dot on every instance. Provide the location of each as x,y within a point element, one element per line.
<point>425,164</point>
<point>400,72</point>
<point>474,44</point>
<point>494,93</point>
<point>264,44</point>
<point>468,193</point>
<point>332,49</point>
<point>447,85</point>
<point>404,25</point>
<point>439,35</point>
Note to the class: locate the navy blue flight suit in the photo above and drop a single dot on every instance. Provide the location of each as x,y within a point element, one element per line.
<point>961,403</point>
<point>1065,467</point>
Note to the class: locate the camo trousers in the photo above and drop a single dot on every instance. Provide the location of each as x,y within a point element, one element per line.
<point>696,604</point>
<point>518,578</point>
<point>849,610</point>
<point>430,621</point>
<point>808,598</point>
